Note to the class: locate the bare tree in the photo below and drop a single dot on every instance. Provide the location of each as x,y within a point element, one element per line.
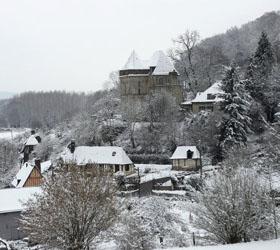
<point>113,82</point>
<point>132,113</point>
<point>183,54</point>
<point>72,210</point>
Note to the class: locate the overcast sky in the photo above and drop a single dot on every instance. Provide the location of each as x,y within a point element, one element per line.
<point>74,45</point>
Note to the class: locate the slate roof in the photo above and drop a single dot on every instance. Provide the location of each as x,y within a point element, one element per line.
<point>97,154</point>
<point>12,199</point>
<point>214,90</point>
<point>161,62</point>
<point>25,171</point>
<point>31,141</point>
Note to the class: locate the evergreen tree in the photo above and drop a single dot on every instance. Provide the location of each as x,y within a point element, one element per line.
<point>264,57</point>
<point>249,77</point>
<point>235,124</point>
<point>258,75</point>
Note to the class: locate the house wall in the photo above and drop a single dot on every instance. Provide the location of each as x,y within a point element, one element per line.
<point>35,179</point>
<point>9,223</point>
<point>112,168</point>
<point>186,164</point>
<point>197,107</point>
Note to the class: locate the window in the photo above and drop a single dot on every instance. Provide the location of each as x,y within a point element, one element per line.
<point>210,108</point>
<point>117,168</point>
<point>126,168</point>
<point>211,96</point>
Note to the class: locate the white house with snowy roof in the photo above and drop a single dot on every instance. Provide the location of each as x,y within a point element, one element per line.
<point>11,205</point>
<point>186,158</point>
<point>139,78</point>
<point>107,158</point>
<point>206,100</point>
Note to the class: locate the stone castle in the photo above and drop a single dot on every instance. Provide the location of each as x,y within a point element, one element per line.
<point>140,78</point>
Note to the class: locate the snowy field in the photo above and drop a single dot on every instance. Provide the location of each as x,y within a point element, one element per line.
<point>153,168</point>
<point>260,245</point>
<point>7,134</point>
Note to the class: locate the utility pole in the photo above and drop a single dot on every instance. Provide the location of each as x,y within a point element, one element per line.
<point>200,158</point>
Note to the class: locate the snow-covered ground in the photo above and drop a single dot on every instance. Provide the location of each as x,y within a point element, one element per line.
<point>260,245</point>
<point>153,167</point>
<point>8,134</point>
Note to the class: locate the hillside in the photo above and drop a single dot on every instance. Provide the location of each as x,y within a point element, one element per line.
<point>210,56</point>
<point>239,43</point>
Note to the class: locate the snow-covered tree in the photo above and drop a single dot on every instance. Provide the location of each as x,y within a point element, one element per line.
<point>72,210</point>
<point>234,207</point>
<point>235,124</point>
<point>264,58</point>
<point>9,159</point>
<point>258,77</point>
<point>133,234</point>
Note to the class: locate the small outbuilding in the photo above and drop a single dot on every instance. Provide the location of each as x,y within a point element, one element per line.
<point>31,175</point>
<point>186,158</point>
<point>11,206</point>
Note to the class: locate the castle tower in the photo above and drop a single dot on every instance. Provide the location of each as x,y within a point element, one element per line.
<point>140,78</point>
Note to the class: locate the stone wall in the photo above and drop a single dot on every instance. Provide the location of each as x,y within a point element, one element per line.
<point>137,86</point>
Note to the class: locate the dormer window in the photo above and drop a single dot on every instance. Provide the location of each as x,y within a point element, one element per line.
<point>189,154</point>
<point>211,96</point>
<point>114,153</point>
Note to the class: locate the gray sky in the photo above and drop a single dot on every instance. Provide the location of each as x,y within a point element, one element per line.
<point>74,45</point>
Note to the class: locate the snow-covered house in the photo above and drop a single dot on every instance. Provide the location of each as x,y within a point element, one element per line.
<point>11,206</point>
<point>186,158</point>
<point>31,175</point>
<point>29,145</point>
<point>139,78</point>
<point>206,100</point>
<point>108,158</point>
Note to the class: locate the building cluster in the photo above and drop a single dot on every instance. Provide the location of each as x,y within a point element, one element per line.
<point>32,173</point>
<point>138,80</point>
<point>141,78</point>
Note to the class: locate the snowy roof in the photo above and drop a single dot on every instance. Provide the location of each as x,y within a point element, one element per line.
<point>163,64</point>
<point>45,166</point>
<point>12,199</point>
<point>26,170</point>
<point>134,62</point>
<point>212,94</point>
<point>98,155</point>
<point>22,175</point>
<point>159,60</point>
<point>31,141</point>
<point>181,152</point>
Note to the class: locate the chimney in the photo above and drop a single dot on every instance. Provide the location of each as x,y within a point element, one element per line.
<point>32,132</point>
<point>189,154</point>
<point>38,164</point>
<point>72,146</point>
